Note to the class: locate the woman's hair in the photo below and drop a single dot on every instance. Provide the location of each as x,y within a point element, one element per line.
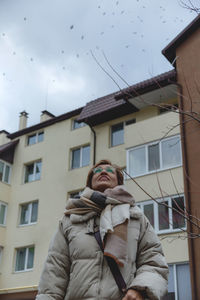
<point>120,177</point>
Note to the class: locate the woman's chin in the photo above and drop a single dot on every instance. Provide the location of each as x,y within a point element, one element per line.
<point>101,186</point>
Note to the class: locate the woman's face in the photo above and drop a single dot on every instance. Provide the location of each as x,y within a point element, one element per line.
<point>104,177</point>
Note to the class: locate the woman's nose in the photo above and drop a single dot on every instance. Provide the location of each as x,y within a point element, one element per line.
<point>104,171</point>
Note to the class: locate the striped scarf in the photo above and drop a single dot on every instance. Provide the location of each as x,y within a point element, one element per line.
<point>113,208</point>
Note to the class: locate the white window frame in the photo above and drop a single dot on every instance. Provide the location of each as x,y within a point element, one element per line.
<point>159,142</point>
<point>4,172</point>
<point>36,138</point>
<point>81,156</point>
<point>80,125</point>
<point>1,254</point>
<point>6,207</point>
<point>30,207</point>
<point>26,259</point>
<point>174,266</point>
<point>111,134</point>
<point>34,171</point>
<point>125,176</point>
<point>156,216</point>
<point>125,123</point>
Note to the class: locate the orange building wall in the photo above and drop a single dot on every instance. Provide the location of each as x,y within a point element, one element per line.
<point>188,71</point>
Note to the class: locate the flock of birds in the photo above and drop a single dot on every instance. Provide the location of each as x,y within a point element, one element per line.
<point>107,26</point>
<point>74,28</point>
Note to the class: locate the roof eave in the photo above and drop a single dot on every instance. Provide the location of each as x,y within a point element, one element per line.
<point>147,86</point>
<point>110,114</point>
<point>45,123</point>
<point>170,50</point>
<point>7,151</point>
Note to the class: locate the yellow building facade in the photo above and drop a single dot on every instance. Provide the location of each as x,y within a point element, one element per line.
<point>42,165</point>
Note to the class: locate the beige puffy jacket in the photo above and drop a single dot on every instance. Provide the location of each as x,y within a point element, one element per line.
<point>75,268</point>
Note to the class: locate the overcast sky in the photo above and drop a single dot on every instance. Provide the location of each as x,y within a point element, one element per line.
<point>48,50</point>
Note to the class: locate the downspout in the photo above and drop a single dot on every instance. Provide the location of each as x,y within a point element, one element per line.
<point>94,143</point>
<point>187,192</point>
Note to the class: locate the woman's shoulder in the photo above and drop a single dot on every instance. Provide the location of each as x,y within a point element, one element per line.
<point>135,212</point>
<point>65,222</point>
<point>70,223</point>
<point>136,215</point>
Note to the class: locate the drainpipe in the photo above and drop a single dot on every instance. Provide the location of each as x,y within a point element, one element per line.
<point>188,199</point>
<point>94,144</point>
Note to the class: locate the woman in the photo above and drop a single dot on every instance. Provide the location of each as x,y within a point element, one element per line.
<point>76,268</point>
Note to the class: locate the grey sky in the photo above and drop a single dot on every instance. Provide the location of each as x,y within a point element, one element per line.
<point>45,58</point>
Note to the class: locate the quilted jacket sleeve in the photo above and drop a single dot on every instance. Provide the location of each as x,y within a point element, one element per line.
<point>55,275</point>
<point>152,270</point>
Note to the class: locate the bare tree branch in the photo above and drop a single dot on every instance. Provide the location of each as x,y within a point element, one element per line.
<point>108,74</point>
<point>189,5</point>
<point>188,218</point>
<point>105,57</point>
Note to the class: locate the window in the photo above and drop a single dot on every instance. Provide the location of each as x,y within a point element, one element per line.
<point>28,213</point>
<point>117,134</point>
<point>33,171</point>
<point>3,211</point>
<point>157,156</point>
<point>76,125</point>
<point>5,170</point>
<point>124,174</point>
<point>80,157</point>
<point>24,259</point>
<point>165,216</point>
<point>35,138</point>
<point>179,287</point>
<point>131,121</point>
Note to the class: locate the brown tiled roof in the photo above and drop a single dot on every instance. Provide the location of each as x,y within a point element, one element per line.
<point>108,107</point>
<point>148,85</point>
<point>104,109</point>
<point>7,151</point>
<point>99,105</point>
<point>45,123</point>
<point>170,50</point>
<point>4,131</point>
<point>115,105</point>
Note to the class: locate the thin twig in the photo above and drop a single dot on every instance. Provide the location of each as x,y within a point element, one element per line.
<point>190,6</point>
<point>112,68</point>
<point>183,215</point>
<point>94,57</point>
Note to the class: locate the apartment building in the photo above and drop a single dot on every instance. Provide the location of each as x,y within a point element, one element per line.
<point>42,165</point>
